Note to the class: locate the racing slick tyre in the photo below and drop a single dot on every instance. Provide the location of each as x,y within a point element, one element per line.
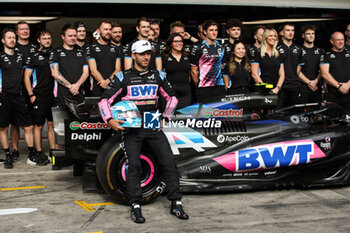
<point>111,169</point>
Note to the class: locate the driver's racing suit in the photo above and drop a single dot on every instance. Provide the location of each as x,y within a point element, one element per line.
<point>144,88</point>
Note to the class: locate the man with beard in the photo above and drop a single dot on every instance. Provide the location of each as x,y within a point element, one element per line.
<point>335,69</point>
<point>81,35</point>
<point>258,32</point>
<point>143,28</point>
<point>292,57</point>
<point>347,34</point>
<point>103,59</point>
<point>26,48</point>
<point>116,39</point>
<point>13,105</point>
<point>40,92</point>
<point>133,138</point>
<point>309,73</point>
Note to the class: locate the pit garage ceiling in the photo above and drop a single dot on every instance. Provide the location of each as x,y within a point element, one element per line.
<point>326,4</point>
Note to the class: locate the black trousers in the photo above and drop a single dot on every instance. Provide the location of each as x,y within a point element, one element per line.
<point>288,96</point>
<point>335,96</point>
<point>133,141</point>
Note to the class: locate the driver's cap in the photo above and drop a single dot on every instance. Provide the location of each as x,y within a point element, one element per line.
<point>141,46</point>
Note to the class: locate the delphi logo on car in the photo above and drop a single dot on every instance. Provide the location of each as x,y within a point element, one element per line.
<point>86,137</point>
<point>75,125</point>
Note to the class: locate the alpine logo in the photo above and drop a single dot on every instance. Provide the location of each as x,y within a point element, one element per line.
<point>75,125</point>
<point>269,156</point>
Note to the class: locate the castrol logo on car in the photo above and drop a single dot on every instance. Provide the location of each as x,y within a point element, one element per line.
<point>223,112</point>
<point>75,125</point>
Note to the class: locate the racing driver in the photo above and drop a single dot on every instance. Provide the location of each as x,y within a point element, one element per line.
<point>143,86</point>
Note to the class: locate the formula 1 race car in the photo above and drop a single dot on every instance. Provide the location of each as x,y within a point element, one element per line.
<point>236,143</point>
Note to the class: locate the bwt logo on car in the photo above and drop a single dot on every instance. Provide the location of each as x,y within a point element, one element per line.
<point>75,125</point>
<point>271,156</point>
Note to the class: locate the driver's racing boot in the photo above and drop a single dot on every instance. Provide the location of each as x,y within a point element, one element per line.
<point>136,214</point>
<point>177,210</point>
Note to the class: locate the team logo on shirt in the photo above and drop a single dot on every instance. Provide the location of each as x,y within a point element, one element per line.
<point>317,51</point>
<point>40,58</point>
<point>347,55</point>
<point>79,54</point>
<point>332,56</point>
<point>62,54</point>
<point>19,58</point>
<point>295,50</point>
<point>97,49</point>
<point>112,50</point>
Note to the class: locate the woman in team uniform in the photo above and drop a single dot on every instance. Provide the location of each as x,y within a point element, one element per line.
<point>267,65</point>
<point>177,66</point>
<point>237,70</point>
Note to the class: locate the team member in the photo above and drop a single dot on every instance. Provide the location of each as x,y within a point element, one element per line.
<point>237,70</point>
<point>123,85</point>
<point>40,91</point>
<point>267,65</point>
<point>335,69</point>
<point>179,27</point>
<point>69,67</point>
<point>206,62</point>
<point>26,48</point>
<point>347,34</point>
<point>151,35</point>
<point>200,33</point>
<point>23,45</point>
<point>258,32</point>
<point>103,59</point>
<point>143,28</point>
<point>309,73</point>
<point>177,67</point>
<point>292,57</point>
<point>162,43</point>
<point>116,39</point>
<point>233,30</point>
<point>81,35</point>
<point>12,100</point>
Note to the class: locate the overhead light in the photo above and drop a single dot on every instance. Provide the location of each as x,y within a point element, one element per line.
<point>29,19</point>
<point>272,21</point>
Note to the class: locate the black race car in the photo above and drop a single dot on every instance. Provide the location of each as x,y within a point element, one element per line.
<point>236,143</point>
